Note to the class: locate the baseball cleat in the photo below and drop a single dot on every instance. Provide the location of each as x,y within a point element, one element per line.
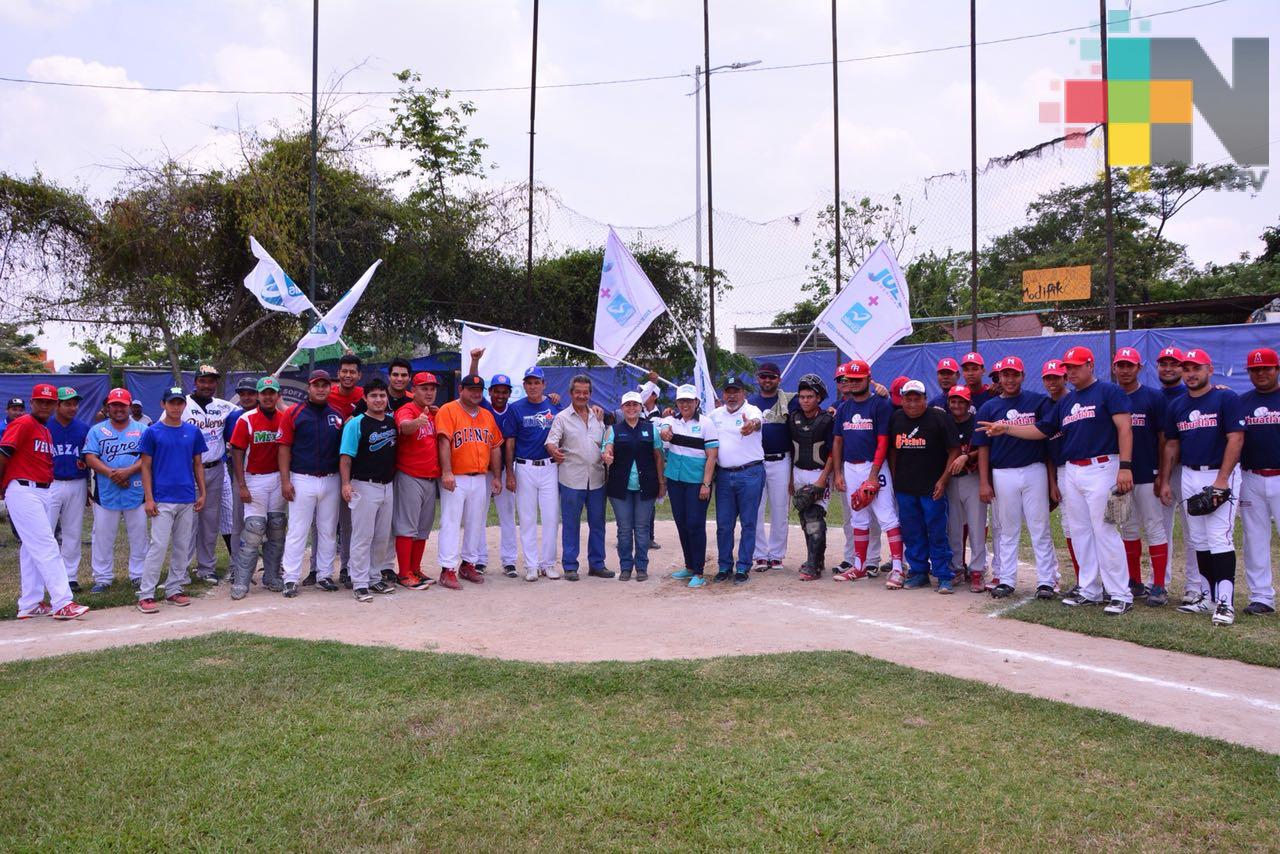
<point>1259,609</point>
<point>469,572</point>
<point>1138,589</point>
<point>510,570</point>
<point>481,567</point>
<point>382,588</point>
<point>1118,607</point>
<point>70,611</point>
<point>182,600</point>
<point>1191,597</point>
<point>1001,591</point>
<point>327,585</point>
<point>531,574</point>
<point>1044,591</point>
<point>992,584</point>
<point>148,606</point>
<point>975,582</point>
<point>741,577</point>
<point>944,586</point>
<point>722,575</point>
<point>1079,600</point>
<point>362,594</point>
<point>1224,615</point>
<point>915,582</point>
<point>896,580</point>
<point>290,589</point>
<point>100,587</point>
<point>308,581</point>
<point>760,565</point>
<point>1200,606</point>
<point>1157,596</point>
<point>449,578</point>
<point>74,585</point>
<point>40,609</point>
<point>551,573</point>
<point>776,564</point>
<point>853,573</point>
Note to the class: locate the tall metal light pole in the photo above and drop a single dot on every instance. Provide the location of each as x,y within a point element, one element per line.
<point>697,149</point>
<point>973,172</point>
<point>533,104</point>
<point>1106,184</point>
<point>315,145</point>
<point>835,142</point>
<point>711,232</point>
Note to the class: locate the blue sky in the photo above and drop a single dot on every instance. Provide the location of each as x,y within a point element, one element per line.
<point>621,154</point>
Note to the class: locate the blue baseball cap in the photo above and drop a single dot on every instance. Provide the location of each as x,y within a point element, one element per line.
<point>500,379</point>
<point>534,372</point>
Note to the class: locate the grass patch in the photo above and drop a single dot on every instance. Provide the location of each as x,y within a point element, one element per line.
<point>235,740</point>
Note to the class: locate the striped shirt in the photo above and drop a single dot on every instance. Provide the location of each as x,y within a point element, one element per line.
<point>686,452</point>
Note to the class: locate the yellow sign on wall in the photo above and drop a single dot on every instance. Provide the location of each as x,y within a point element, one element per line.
<point>1057,283</point>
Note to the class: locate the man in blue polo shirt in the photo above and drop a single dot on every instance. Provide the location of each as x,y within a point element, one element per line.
<point>111,451</point>
<point>1097,445</point>
<point>531,474</point>
<point>1260,482</point>
<point>70,490</point>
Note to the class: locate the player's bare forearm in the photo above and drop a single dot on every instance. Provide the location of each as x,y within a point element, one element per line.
<point>1124,435</point>
<point>237,467</point>
<point>284,456</point>
<point>1230,459</point>
<point>509,453</point>
<point>495,462</point>
<point>146,477</point>
<point>984,466</point>
<point>445,453</point>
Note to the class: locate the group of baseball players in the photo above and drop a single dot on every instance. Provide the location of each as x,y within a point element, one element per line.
<point>358,470</point>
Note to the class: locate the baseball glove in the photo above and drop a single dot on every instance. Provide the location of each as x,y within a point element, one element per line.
<point>805,497</point>
<point>1119,508</point>
<point>864,495</point>
<point>1207,500</point>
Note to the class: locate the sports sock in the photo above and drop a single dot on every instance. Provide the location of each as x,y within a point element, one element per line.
<point>415,557</point>
<point>1133,556</point>
<point>1204,562</point>
<point>1159,563</point>
<point>1075,564</point>
<point>895,545</point>
<point>860,538</point>
<point>404,550</point>
<point>1225,564</point>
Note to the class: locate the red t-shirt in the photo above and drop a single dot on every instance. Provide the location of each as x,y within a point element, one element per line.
<point>29,447</point>
<point>417,455</point>
<point>344,402</point>
<point>258,434</point>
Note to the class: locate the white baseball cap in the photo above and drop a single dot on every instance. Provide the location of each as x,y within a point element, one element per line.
<point>912,385</point>
<point>632,397</point>
<point>687,392</point>
<point>647,390</point>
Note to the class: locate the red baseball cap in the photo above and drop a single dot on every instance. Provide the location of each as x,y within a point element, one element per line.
<point>1077,356</point>
<point>1010,363</point>
<point>43,391</point>
<point>1127,354</point>
<point>1263,357</point>
<point>425,378</point>
<point>1196,357</point>
<point>895,390</point>
<point>859,368</point>
<point>946,363</point>
<point>1170,353</point>
<point>973,359</point>
<point>120,395</point>
<point>1052,368</point>
<point>960,391</point>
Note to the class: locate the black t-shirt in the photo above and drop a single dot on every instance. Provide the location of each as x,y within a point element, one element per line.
<point>811,438</point>
<point>921,445</point>
<point>371,444</point>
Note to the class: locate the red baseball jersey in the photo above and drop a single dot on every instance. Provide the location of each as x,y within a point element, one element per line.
<point>29,447</point>
<point>257,435</point>
<point>344,402</point>
<point>417,455</point>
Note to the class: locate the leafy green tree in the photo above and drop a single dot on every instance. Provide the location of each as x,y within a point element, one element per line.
<point>19,353</point>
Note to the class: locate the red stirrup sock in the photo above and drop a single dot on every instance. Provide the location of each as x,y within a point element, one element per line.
<point>1075,564</point>
<point>404,552</point>
<point>895,543</point>
<point>1133,555</point>
<point>861,536</point>
<point>1159,563</point>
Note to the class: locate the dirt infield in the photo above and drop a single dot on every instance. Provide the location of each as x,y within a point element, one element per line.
<point>597,619</point>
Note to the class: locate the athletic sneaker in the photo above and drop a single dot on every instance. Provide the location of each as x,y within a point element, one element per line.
<point>1201,606</point>
<point>469,572</point>
<point>100,587</point>
<point>210,578</point>
<point>1118,607</point>
<point>344,578</point>
<point>148,606</point>
<point>624,575</point>
<point>552,573</point>
<point>1224,615</point>
<point>182,600</point>
<point>722,575</point>
<point>276,586</point>
<point>682,573</point>
<point>327,585</point>
<point>480,567</point>
<point>1138,589</point>
<point>741,578</point>
<point>413,582</point>
<point>510,570</point>
<point>40,609</point>
<point>697,581</point>
<point>654,544</point>
<point>853,573</point>
<point>991,584</point>
<point>1191,597</point>
<point>896,580</point>
<point>1079,600</point>
<point>1259,609</point>
<point>1001,591</point>
<point>309,581</point>
<point>1044,591</point>
<point>531,574</point>
<point>290,590</point>
<point>761,565</point>
<point>944,585</point>
<point>776,564</point>
<point>135,583</point>
<point>389,576</point>
<point>363,595</point>
<point>1157,596</point>
<point>74,585</point>
<point>915,582</point>
<point>70,611</point>
<point>382,588</point>
<point>449,578</point>
<point>975,582</point>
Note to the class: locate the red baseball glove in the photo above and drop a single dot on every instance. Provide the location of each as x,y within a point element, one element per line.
<point>864,495</point>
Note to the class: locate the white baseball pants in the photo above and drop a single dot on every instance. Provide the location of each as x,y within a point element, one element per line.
<point>882,507</point>
<point>171,532</point>
<point>965,508</point>
<point>1195,581</point>
<point>226,520</point>
<point>1215,533</point>
<point>771,542</point>
<point>462,519</point>
<point>103,549</point>
<point>315,499</point>
<point>1147,520</point>
<point>1022,495</point>
<point>264,490</point>
<point>1062,480</point>
<point>1098,547</point>
<point>370,532</point>
<point>508,542</point>
<point>40,566</point>
<point>66,508</point>
<point>538,491</point>
<point>804,477</point>
<point>1259,510</point>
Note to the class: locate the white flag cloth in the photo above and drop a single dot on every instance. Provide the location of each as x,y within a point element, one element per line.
<point>329,329</point>
<point>702,380</point>
<point>871,312</point>
<point>626,305</point>
<point>505,352</point>
<point>272,286</point>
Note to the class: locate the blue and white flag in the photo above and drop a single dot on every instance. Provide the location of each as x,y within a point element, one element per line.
<point>702,380</point>
<point>627,303</point>
<point>329,329</point>
<point>272,286</point>
<point>871,313</point>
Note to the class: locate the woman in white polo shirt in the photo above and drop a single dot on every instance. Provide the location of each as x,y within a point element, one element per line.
<point>692,444</point>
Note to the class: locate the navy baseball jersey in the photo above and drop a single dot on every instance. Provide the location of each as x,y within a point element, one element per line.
<point>1173,391</point>
<point>861,423</point>
<point>1025,408</point>
<point>1084,416</point>
<point>1261,429</point>
<point>1147,423</point>
<point>1201,425</point>
<point>775,429</point>
<point>68,445</point>
<point>1054,444</point>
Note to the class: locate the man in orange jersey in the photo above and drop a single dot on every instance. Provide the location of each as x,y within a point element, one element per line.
<point>468,439</point>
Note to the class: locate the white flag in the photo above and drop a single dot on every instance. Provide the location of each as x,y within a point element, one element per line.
<point>329,329</point>
<point>871,312</point>
<point>272,286</point>
<point>505,352</point>
<point>626,305</point>
<point>702,380</point>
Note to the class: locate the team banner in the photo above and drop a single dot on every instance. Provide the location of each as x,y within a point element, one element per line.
<point>871,312</point>
<point>626,305</point>
<point>272,286</point>
<point>329,329</point>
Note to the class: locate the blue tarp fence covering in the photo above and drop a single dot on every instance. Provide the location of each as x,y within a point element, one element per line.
<point>93,389</point>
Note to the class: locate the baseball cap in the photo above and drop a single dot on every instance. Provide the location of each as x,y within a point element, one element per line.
<point>632,397</point>
<point>66,392</point>
<point>912,387</point>
<point>1170,353</point>
<point>207,371</point>
<point>535,373</point>
<point>16,401</point>
<point>1263,357</point>
<point>471,381</point>
<point>428,378</point>
<point>648,390</point>
<point>1010,363</point>
<point>1196,357</point>
<point>319,375</point>
<point>895,389</point>
<point>247,384</point>
<point>946,363</point>
<point>268,384</point>
<point>120,395</point>
<point>844,370</point>
<point>500,379</point>
<point>1052,368</point>
<point>1127,354</point>
<point>961,391</point>
<point>859,368</point>
<point>973,359</point>
<point>44,391</point>
<point>687,392</point>
<point>735,381</point>
<point>768,368</point>
<point>173,393</point>
<point>1077,356</point>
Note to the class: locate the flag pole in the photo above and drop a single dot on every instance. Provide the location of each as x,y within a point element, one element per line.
<point>314,175</point>
<point>564,344</point>
<point>796,354</point>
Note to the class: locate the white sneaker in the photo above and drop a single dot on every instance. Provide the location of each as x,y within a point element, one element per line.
<point>1224,615</point>
<point>551,572</point>
<point>1200,606</point>
<point>1118,607</point>
<point>1192,597</point>
<point>531,574</point>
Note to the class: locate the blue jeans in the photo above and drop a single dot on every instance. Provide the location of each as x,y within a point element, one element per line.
<point>737,500</point>
<point>633,515</point>
<point>924,536</point>
<point>571,503</point>
<point>690,514</point>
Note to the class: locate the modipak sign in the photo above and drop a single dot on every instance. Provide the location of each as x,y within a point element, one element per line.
<point>1057,284</point>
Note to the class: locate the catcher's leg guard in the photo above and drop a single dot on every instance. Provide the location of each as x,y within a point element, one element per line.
<point>273,548</point>
<point>251,538</point>
<point>814,522</point>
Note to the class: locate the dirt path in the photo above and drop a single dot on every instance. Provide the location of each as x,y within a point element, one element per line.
<point>597,619</point>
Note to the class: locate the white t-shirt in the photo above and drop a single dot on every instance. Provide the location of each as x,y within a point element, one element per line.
<point>736,449</point>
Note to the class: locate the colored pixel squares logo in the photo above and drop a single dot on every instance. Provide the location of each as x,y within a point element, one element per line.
<point>1155,86</point>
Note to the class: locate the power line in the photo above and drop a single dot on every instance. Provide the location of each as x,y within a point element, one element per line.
<point>615,82</point>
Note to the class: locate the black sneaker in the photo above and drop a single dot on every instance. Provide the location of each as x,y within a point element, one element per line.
<point>389,576</point>
<point>741,577</point>
<point>74,585</point>
<point>290,589</point>
<point>509,570</point>
<point>1001,591</point>
<point>845,565</point>
<point>1258,609</point>
<point>1138,589</point>
<point>310,580</point>
<point>1044,591</point>
<point>363,595</point>
<point>382,588</point>
<point>1079,600</point>
<point>601,572</point>
<point>480,567</point>
<point>327,585</point>
<point>722,575</point>
<point>135,583</point>
<point>1157,596</point>
<point>653,544</point>
<point>345,579</point>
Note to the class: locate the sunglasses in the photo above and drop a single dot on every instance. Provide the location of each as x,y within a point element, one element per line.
<point>843,380</point>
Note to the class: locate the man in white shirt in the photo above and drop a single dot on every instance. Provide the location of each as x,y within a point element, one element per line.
<point>208,414</point>
<point>739,479</point>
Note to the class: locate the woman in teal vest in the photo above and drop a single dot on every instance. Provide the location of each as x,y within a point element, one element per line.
<point>633,452</point>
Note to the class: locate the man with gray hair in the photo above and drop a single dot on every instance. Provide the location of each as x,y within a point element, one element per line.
<point>574,442</point>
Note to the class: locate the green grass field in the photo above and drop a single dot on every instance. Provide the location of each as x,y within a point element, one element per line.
<point>242,741</point>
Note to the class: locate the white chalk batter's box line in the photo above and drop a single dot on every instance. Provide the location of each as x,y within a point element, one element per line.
<point>145,624</point>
